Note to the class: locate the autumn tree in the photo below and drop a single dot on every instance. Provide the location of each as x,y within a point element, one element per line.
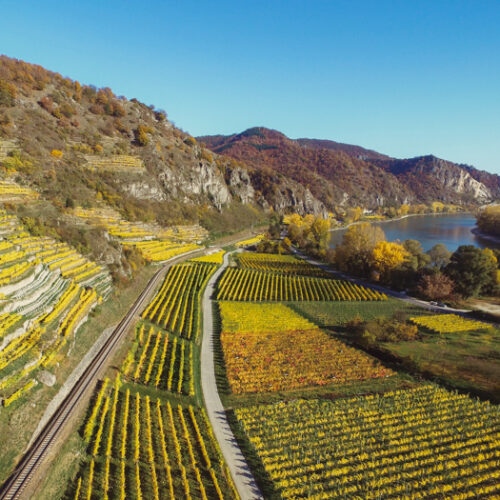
<point>435,286</point>
<point>353,214</point>
<point>310,232</point>
<point>141,135</point>
<point>354,254</point>
<point>7,93</point>
<point>488,220</point>
<point>388,256</point>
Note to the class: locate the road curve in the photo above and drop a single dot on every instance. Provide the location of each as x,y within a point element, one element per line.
<point>15,485</point>
<point>240,471</point>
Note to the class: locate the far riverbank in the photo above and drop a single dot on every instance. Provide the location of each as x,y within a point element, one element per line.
<point>451,229</point>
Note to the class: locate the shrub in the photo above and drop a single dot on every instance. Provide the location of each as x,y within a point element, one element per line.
<point>7,94</point>
<point>141,135</point>
<point>56,153</point>
<point>369,333</point>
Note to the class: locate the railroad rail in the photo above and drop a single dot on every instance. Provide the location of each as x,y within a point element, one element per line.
<point>14,486</point>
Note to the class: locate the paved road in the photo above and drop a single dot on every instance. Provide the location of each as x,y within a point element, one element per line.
<point>242,476</point>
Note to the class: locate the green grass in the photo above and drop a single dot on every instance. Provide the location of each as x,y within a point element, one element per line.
<point>332,315</point>
<point>468,361</point>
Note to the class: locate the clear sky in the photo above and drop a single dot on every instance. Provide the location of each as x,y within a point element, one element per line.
<point>405,78</point>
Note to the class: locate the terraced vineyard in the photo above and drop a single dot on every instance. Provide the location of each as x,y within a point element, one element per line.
<point>175,306</point>
<point>420,443</point>
<point>211,258</point>
<point>116,163</point>
<point>12,192</point>
<point>140,447</point>
<point>155,243</point>
<point>252,285</point>
<point>46,291</point>
<point>250,241</point>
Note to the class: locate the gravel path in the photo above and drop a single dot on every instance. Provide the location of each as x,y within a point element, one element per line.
<point>242,476</point>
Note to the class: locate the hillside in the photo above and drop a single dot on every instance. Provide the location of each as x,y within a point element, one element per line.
<point>79,146</point>
<point>343,174</point>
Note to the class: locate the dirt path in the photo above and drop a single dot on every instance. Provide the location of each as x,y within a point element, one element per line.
<point>240,471</point>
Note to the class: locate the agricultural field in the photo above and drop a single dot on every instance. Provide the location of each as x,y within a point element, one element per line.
<point>250,317</point>
<point>115,163</point>
<point>160,251</point>
<point>161,360</point>
<point>47,290</point>
<point>335,315</point>
<point>269,347</point>
<point>140,446</point>
<point>175,306</point>
<point>467,360</point>
<point>211,258</point>
<point>248,284</point>
<point>14,193</point>
<point>155,243</point>
<point>449,323</point>
<point>420,443</point>
<point>250,241</point>
<point>145,436</point>
<point>286,264</point>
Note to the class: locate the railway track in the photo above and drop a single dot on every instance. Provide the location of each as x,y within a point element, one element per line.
<point>15,485</point>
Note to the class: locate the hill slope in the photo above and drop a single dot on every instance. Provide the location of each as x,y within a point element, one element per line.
<point>345,174</point>
<point>80,146</point>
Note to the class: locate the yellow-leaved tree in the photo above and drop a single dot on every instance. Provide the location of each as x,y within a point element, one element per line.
<point>387,256</point>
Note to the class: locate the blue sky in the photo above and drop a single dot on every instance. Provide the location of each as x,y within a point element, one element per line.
<point>405,78</point>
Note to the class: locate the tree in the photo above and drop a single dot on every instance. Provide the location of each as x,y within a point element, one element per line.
<point>353,214</point>
<point>141,135</point>
<point>471,269</point>
<point>310,232</point>
<point>435,286</point>
<point>488,220</point>
<point>387,256</point>
<point>354,253</point>
<point>417,259</point>
<point>439,255</point>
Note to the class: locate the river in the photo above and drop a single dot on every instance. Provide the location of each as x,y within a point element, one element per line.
<point>451,229</point>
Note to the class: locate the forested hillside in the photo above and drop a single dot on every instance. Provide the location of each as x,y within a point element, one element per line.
<point>348,175</point>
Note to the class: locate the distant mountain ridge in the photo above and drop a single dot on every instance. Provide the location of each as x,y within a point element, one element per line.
<point>350,149</point>
<point>345,174</point>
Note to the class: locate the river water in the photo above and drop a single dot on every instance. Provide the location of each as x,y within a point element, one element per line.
<point>451,229</point>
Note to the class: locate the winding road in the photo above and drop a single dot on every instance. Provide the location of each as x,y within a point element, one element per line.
<point>240,471</point>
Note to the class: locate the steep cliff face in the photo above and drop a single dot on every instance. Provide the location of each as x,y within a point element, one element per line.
<point>432,178</point>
